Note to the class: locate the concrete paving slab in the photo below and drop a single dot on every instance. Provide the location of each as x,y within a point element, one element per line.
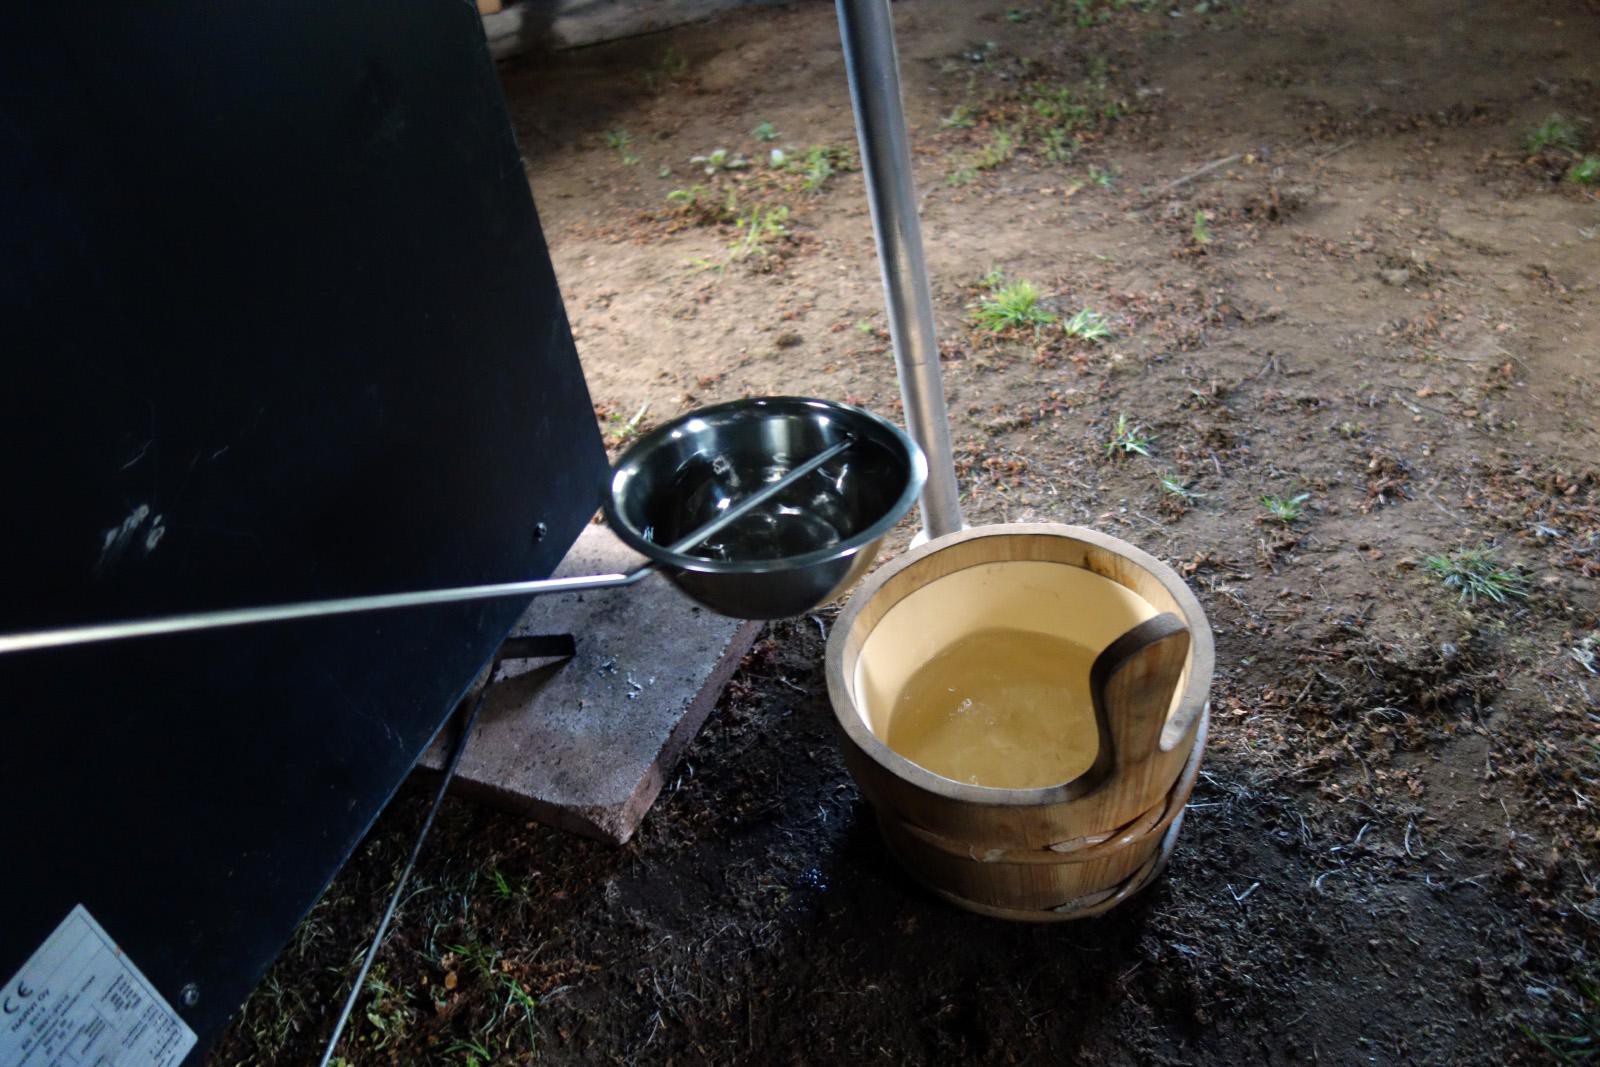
<point>586,745</point>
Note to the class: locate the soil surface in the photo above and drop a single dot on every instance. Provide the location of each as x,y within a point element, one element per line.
<point>1378,310</point>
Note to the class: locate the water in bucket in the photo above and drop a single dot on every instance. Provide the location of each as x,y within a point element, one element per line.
<point>1000,707</point>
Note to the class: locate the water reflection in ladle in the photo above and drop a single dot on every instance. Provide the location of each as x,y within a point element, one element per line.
<point>811,515</point>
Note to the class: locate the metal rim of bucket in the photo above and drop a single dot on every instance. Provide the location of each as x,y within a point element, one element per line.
<point>916,476</point>
<point>846,713</point>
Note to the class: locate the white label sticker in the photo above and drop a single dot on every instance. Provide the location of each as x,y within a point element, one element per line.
<point>79,1002</point>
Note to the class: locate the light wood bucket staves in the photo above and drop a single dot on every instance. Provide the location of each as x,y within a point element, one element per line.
<point>1065,851</point>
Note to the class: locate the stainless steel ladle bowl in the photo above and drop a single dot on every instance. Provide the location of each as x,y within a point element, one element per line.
<point>801,548</point>
<point>759,509</point>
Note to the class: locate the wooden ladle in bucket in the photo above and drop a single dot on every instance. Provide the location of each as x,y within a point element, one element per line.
<point>1132,684</point>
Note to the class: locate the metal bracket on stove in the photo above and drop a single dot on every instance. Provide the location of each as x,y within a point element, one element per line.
<point>538,646</point>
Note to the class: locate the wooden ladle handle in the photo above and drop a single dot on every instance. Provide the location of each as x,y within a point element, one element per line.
<point>1132,683</point>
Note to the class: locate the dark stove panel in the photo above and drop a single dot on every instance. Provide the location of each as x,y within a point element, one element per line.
<point>277,323</point>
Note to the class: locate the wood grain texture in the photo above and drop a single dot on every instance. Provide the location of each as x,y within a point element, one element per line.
<point>1152,821</point>
<point>1041,880</point>
<point>1023,852</point>
<point>1132,683</point>
<point>1014,818</point>
<point>1084,907</point>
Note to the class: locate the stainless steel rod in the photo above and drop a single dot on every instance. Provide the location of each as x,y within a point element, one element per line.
<point>312,609</point>
<point>867,32</point>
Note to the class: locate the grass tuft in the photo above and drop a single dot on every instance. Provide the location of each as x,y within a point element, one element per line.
<point>760,229</point>
<point>1554,132</point>
<point>1001,147</point>
<point>1104,179</point>
<point>960,118</point>
<point>1011,306</point>
<point>1581,1043</point>
<point>621,140</point>
<point>1087,325</point>
<point>1172,486</point>
<point>1475,572</point>
<point>705,206</point>
<point>1285,509</point>
<point>1127,438</point>
<point>1585,171</point>
<point>720,159</point>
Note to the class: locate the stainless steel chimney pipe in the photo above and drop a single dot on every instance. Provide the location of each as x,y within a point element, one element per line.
<point>867,31</point>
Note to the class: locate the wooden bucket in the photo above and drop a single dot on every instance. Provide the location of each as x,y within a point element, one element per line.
<point>1064,851</point>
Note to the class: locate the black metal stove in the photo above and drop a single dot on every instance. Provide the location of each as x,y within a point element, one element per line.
<point>278,323</point>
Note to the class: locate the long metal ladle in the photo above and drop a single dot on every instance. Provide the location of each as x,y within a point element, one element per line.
<point>92,633</point>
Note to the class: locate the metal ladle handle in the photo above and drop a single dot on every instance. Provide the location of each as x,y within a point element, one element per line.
<point>189,622</point>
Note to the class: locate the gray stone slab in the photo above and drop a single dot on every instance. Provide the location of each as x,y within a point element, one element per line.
<point>586,745</point>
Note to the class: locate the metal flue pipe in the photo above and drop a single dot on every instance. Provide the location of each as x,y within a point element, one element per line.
<point>867,31</point>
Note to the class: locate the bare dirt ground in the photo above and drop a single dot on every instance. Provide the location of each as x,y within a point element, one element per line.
<point>1379,312</point>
